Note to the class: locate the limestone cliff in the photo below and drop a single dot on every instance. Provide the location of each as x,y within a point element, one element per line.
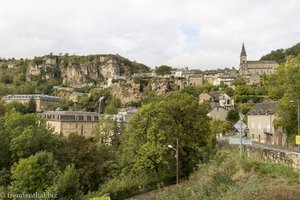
<point>79,71</point>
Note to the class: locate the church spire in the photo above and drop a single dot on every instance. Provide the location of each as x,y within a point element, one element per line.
<point>243,52</point>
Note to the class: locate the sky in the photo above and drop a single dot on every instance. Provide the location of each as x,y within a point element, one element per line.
<point>203,34</point>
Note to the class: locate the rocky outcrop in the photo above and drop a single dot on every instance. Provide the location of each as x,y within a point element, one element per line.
<point>77,71</point>
<point>126,91</point>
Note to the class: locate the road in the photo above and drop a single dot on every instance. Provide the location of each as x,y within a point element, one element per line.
<point>265,146</point>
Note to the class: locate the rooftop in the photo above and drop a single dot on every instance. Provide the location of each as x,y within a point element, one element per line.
<point>263,108</point>
<point>262,62</point>
<point>75,113</point>
<point>29,96</point>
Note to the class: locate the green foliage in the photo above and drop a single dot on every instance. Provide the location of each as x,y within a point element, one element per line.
<point>34,174</point>
<point>218,126</point>
<point>38,60</point>
<point>67,185</point>
<point>281,55</point>
<point>6,78</point>
<point>4,178</point>
<point>244,108</point>
<point>128,185</point>
<point>244,90</point>
<point>208,87</point>
<point>261,90</point>
<point>112,106</point>
<point>229,91</point>
<point>17,106</point>
<point>157,124</point>
<point>192,90</point>
<point>134,67</point>
<point>197,71</point>
<point>100,198</point>
<point>104,129</point>
<point>65,104</point>
<point>285,83</point>
<point>2,108</point>
<point>163,70</point>
<point>94,163</point>
<point>238,81</point>
<point>233,116</point>
<point>26,135</point>
<point>248,98</point>
<point>230,176</point>
<point>31,108</point>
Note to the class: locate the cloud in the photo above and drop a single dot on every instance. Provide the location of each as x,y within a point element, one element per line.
<point>195,33</point>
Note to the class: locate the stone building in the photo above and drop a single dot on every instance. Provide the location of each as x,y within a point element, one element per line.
<point>257,66</point>
<point>218,112</point>
<point>42,101</point>
<point>217,76</point>
<point>261,124</point>
<point>66,122</point>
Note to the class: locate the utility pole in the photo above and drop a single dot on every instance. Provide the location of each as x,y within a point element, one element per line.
<point>298,116</point>
<point>177,163</point>
<point>241,136</point>
<point>177,160</point>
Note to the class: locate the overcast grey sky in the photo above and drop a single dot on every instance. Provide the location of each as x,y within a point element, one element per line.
<point>203,34</point>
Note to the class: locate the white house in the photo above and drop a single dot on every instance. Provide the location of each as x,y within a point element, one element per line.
<point>261,124</point>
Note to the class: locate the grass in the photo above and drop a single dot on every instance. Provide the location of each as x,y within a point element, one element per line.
<point>229,176</point>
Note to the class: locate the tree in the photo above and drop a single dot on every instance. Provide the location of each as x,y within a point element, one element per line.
<point>163,70</point>
<point>281,55</point>
<point>34,174</point>
<point>238,81</point>
<point>112,106</point>
<point>233,116</point>
<point>31,108</point>
<point>67,186</point>
<point>218,126</point>
<point>104,129</point>
<point>2,108</point>
<point>287,79</point>
<point>244,90</point>
<point>229,91</point>
<point>94,162</point>
<point>192,90</point>
<point>197,71</point>
<point>157,124</point>
<point>5,154</point>
<point>26,135</point>
<point>19,107</point>
<point>6,78</point>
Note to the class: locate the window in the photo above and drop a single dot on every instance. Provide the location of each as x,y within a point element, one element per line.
<point>68,117</point>
<point>76,125</point>
<point>80,118</point>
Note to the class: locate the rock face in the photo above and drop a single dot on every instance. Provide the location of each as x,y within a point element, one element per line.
<point>78,71</point>
<point>126,92</point>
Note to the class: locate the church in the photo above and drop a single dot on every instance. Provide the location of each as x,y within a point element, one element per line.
<point>248,67</point>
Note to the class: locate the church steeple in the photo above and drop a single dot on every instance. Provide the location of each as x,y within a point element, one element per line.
<point>243,52</point>
<point>243,57</point>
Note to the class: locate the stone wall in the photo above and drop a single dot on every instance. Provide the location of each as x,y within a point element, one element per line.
<point>282,156</point>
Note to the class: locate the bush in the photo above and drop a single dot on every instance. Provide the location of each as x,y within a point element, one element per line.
<point>235,177</point>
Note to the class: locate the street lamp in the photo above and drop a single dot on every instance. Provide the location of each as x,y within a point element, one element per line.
<point>298,116</point>
<point>177,158</point>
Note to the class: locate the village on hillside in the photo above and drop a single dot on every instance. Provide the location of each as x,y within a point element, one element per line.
<point>131,87</point>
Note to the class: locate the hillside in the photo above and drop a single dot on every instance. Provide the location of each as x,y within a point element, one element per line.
<point>229,176</point>
<point>40,74</point>
<point>281,55</point>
